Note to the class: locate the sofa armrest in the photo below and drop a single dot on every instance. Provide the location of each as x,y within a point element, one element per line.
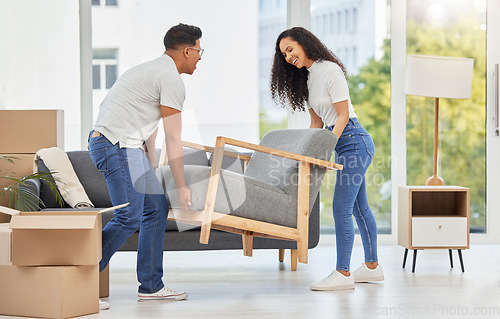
<point>31,186</point>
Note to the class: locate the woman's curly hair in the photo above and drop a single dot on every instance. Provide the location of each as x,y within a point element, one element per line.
<point>288,83</point>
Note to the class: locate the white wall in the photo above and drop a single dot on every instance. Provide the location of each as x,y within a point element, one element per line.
<point>39,59</point>
<point>222,94</point>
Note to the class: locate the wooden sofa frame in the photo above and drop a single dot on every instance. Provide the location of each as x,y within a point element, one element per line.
<point>249,228</point>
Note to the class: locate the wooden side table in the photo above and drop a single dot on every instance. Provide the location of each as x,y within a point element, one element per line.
<point>433,217</point>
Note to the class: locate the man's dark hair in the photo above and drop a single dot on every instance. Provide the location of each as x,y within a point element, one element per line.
<point>181,35</point>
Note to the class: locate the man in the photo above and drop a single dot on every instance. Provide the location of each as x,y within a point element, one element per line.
<point>128,119</point>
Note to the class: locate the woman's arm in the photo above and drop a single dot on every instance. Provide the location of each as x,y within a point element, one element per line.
<point>342,109</point>
<point>316,121</point>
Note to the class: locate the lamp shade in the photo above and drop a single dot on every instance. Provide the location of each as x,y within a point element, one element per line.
<point>439,76</point>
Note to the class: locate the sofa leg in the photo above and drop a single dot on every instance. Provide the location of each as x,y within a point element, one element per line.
<point>281,255</point>
<point>247,243</point>
<point>294,259</point>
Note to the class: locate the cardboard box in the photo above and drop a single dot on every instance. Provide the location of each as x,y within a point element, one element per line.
<point>57,238</point>
<point>104,283</point>
<point>27,131</point>
<point>21,167</point>
<point>5,244</point>
<point>6,214</point>
<point>49,292</point>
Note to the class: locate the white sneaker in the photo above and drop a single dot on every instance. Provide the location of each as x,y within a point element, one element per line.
<point>103,305</point>
<point>163,294</point>
<point>365,274</point>
<point>335,281</point>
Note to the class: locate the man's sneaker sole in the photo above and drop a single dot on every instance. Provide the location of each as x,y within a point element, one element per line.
<point>146,297</point>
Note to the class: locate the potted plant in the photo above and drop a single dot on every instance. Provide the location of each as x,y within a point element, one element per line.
<point>23,198</point>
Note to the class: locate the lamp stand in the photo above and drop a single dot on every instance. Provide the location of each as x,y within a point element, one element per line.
<point>435,180</point>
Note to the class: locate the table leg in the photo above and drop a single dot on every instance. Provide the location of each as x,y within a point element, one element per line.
<point>461,259</point>
<point>414,260</point>
<point>404,258</point>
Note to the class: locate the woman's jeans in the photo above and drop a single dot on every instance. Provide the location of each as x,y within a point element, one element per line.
<point>354,150</point>
<point>131,179</point>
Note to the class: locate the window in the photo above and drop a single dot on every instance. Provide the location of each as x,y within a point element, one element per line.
<point>105,3</point>
<point>104,68</point>
<point>347,21</point>
<point>354,19</point>
<point>369,87</point>
<point>325,24</point>
<point>332,23</point>
<point>271,116</point>
<point>448,29</point>
<point>339,22</point>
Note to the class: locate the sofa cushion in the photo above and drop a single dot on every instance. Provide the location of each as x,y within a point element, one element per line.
<point>91,178</point>
<point>237,194</point>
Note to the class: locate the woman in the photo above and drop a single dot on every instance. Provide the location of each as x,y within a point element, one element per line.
<point>305,71</point>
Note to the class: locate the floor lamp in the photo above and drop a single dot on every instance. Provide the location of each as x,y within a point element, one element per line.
<point>438,77</point>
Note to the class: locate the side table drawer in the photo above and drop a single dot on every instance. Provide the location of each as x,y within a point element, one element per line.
<point>439,231</point>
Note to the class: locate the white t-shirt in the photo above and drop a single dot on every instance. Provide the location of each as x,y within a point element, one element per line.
<point>130,112</point>
<point>327,85</point>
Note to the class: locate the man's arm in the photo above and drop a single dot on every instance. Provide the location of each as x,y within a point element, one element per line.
<point>172,125</point>
<point>150,148</point>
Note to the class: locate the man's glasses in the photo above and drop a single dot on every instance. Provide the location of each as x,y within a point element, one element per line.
<point>197,49</point>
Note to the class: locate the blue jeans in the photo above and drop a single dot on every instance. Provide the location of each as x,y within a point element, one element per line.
<point>131,179</point>
<point>354,150</point>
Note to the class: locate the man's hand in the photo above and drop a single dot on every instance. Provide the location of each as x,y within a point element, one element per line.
<point>184,197</point>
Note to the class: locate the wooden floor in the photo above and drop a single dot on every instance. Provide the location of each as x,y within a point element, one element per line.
<point>225,284</point>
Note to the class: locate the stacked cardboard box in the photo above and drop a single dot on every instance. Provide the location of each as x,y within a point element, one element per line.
<point>23,133</point>
<point>53,263</point>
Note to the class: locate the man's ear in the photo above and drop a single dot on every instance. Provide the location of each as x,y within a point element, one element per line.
<point>185,52</point>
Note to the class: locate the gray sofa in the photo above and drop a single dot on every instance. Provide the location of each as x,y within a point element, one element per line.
<point>175,240</point>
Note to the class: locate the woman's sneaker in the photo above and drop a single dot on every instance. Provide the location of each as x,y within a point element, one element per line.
<point>335,281</point>
<point>163,294</point>
<point>365,274</point>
